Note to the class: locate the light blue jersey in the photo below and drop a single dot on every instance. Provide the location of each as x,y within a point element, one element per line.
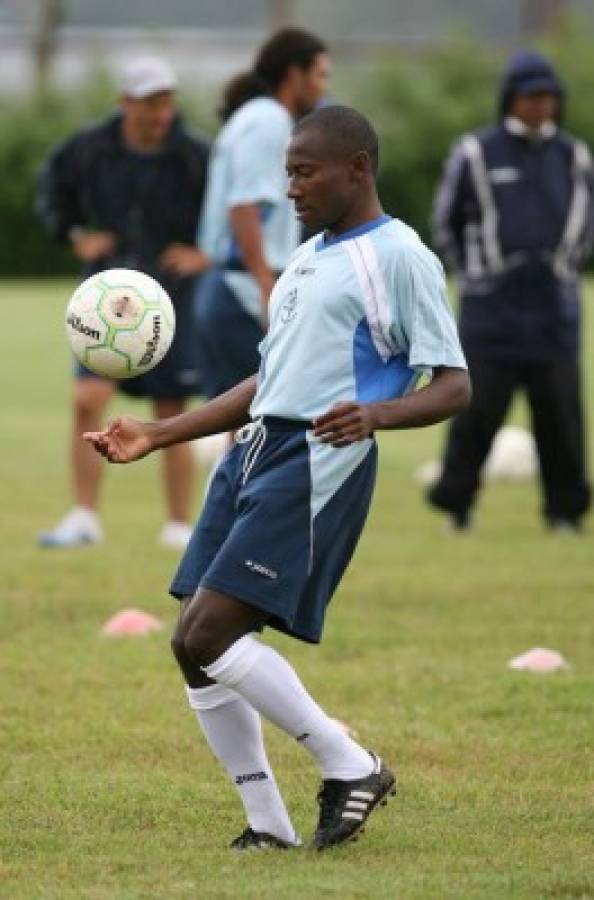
<point>247,166</point>
<point>359,317</point>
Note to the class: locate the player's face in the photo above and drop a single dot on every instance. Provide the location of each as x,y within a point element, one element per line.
<point>535,109</point>
<point>323,186</point>
<point>311,84</point>
<point>151,118</point>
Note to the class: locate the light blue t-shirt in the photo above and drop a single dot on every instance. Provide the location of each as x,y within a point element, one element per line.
<point>357,318</point>
<point>247,166</point>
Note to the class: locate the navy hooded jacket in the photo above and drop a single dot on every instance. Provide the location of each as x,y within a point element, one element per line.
<point>514,216</point>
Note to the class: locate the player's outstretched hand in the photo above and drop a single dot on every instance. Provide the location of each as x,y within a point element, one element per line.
<point>345,424</point>
<point>124,440</point>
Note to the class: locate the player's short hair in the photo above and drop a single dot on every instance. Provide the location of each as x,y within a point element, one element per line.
<point>286,48</point>
<point>346,129</point>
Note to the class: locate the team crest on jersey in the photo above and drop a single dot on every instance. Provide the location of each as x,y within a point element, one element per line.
<point>288,309</point>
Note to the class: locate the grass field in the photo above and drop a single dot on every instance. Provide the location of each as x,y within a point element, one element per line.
<point>107,789</point>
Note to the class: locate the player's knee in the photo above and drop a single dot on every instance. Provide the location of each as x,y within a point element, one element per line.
<point>178,647</point>
<point>84,407</point>
<point>203,637</point>
<point>90,399</point>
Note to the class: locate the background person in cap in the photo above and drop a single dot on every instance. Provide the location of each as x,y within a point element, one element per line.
<point>127,192</point>
<point>514,217</point>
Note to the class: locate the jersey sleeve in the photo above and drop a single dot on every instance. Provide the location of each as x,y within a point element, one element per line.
<point>257,164</point>
<point>421,317</point>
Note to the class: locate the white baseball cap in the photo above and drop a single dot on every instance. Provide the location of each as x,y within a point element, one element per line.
<point>150,75</point>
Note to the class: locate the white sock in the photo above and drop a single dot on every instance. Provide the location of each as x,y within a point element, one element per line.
<point>234,733</point>
<point>271,686</point>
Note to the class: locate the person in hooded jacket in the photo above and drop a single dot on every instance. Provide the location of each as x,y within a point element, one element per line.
<point>514,218</point>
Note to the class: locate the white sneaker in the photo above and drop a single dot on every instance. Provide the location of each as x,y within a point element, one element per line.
<point>79,526</point>
<point>175,535</point>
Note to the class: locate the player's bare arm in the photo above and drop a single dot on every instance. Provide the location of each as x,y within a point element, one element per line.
<point>247,228</point>
<point>448,393</point>
<point>127,439</point>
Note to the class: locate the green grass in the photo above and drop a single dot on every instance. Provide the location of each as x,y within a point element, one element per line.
<point>106,787</point>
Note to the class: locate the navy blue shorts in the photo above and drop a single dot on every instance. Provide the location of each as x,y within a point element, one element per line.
<point>228,336</point>
<point>179,374</point>
<point>281,520</point>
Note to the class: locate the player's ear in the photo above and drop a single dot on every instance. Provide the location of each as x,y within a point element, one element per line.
<point>361,164</point>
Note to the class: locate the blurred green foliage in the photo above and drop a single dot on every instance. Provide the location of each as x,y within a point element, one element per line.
<point>29,130</point>
<point>419,102</point>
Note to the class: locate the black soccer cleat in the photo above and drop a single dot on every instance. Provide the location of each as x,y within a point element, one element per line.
<point>260,840</point>
<point>346,805</point>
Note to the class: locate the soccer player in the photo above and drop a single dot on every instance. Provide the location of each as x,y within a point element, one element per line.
<point>127,192</point>
<point>359,313</point>
<point>248,227</point>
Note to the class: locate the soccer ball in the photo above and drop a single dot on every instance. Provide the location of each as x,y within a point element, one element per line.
<point>120,323</point>
<point>513,456</point>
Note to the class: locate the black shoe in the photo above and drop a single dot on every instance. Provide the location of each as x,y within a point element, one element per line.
<point>259,840</point>
<point>459,519</point>
<point>346,805</point>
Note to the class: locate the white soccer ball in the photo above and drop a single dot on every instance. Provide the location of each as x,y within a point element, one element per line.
<point>120,323</point>
<point>513,456</point>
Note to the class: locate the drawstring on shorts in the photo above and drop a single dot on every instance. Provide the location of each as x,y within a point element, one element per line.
<point>254,434</point>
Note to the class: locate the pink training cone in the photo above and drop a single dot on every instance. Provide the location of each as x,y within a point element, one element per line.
<point>539,659</point>
<point>131,621</point>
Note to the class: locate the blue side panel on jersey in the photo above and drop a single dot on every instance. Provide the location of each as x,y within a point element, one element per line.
<point>375,379</point>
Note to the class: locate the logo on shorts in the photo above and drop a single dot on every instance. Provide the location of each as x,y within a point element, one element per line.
<point>259,569</point>
<point>289,307</point>
<point>252,776</point>
<point>305,270</point>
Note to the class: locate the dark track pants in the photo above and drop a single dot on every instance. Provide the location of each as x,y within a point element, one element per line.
<point>553,392</point>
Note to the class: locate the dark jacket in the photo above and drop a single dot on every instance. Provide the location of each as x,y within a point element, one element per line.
<point>148,201</point>
<point>514,216</point>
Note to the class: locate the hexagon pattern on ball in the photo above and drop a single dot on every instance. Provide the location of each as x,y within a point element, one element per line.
<point>120,323</point>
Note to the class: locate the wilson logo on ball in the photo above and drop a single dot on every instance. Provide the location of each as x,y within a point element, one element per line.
<point>151,346</point>
<point>77,324</point>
